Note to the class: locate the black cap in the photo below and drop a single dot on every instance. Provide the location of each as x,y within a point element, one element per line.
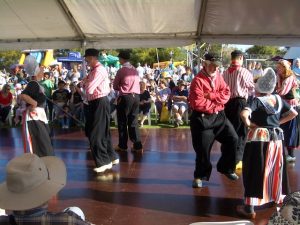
<point>236,53</point>
<point>91,52</point>
<point>124,54</point>
<point>213,58</point>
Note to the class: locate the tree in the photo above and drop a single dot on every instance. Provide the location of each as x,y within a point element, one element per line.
<point>8,58</point>
<point>265,51</point>
<point>149,55</point>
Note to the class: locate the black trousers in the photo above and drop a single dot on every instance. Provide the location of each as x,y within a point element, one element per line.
<point>4,111</point>
<point>233,109</point>
<point>86,115</point>
<point>127,114</point>
<point>98,127</point>
<point>205,129</point>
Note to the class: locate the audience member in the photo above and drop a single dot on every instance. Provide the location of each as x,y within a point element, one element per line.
<point>6,98</point>
<point>30,183</point>
<point>180,103</point>
<point>145,103</point>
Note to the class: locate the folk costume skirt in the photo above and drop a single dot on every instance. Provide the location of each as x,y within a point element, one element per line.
<point>36,133</point>
<point>263,169</point>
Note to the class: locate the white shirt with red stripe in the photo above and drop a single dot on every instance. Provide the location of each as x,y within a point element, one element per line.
<point>240,82</point>
<point>96,84</point>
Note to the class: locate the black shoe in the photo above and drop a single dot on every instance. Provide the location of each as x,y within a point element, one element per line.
<point>231,176</point>
<point>197,183</point>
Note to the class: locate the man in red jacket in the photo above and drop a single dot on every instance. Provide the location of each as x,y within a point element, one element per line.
<point>207,97</point>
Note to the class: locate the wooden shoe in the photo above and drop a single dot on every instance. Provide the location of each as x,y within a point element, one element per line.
<point>239,165</point>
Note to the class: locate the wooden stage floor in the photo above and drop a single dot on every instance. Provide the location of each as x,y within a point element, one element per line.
<point>151,189</point>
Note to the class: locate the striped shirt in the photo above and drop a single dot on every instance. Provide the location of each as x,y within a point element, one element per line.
<point>240,82</point>
<point>96,84</point>
<point>285,86</point>
<point>127,80</point>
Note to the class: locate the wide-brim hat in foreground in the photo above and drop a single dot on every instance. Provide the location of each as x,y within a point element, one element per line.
<point>31,181</point>
<point>267,83</point>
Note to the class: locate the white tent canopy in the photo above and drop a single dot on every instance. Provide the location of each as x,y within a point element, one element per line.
<point>34,24</point>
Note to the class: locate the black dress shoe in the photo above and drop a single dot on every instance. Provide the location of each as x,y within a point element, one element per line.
<point>231,176</point>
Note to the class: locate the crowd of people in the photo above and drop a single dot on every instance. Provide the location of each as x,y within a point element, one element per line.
<point>252,112</point>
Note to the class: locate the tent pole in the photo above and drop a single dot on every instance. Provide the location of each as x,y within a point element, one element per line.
<point>157,58</point>
<point>83,47</point>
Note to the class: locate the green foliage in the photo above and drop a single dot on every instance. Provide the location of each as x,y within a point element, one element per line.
<point>265,51</point>
<point>149,55</point>
<point>8,58</point>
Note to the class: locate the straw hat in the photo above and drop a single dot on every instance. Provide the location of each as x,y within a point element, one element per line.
<point>266,84</point>
<point>31,181</point>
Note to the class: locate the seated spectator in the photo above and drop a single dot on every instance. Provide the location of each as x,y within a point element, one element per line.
<point>5,102</point>
<point>112,97</point>
<point>64,118</point>
<point>170,82</point>
<point>188,75</point>
<point>76,102</point>
<point>180,105</point>
<point>2,79</point>
<point>48,86</point>
<point>60,97</point>
<point>145,102</point>
<point>162,95</point>
<point>20,106</point>
<point>30,183</point>
<point>257,72</point>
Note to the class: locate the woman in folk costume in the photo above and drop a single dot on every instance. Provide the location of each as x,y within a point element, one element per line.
<point>263,179</point>
<point>36,133</point>
<point>286,88</point>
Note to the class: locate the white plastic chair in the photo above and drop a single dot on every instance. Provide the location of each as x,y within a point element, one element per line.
<point>185,117</point>
<point>148,117</point>
<point>237,222</point>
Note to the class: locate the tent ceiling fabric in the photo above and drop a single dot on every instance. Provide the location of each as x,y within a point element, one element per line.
<point>146,23</point>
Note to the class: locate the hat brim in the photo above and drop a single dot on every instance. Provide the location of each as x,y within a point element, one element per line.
<point>39,195</point>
